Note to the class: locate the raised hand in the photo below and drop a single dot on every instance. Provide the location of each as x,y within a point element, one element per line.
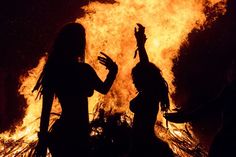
<point>107,62</point>
<point>140,35</point>
<point>141,39</point>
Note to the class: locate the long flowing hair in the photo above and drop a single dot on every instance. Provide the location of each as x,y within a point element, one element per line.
<point>68,46</point>
<point>147,78</point>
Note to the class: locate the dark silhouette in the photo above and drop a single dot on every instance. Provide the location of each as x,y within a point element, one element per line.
<point>152,90</point>
<point>68,77</point>
<point>224,143</point>
<point>201,57</point>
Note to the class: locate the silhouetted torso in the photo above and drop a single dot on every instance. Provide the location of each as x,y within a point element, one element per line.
<point>145,108</point>
<point>73,84</point>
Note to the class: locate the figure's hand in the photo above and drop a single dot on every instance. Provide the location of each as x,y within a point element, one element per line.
<point>107,62</point>
<point>140,35</point>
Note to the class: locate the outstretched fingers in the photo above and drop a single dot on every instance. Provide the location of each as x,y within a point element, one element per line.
<point>102,60</point>
<point>107,61</point>
<point>105,55</point>
<point>141,26</point>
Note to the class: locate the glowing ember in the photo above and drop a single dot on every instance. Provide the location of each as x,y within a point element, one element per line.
<point>110,28</point>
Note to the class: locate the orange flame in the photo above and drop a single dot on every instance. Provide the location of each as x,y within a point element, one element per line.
<point>110,28</point>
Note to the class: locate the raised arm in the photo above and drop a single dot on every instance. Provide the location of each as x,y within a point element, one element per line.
<point>141,39</point>
<point>104,87</point>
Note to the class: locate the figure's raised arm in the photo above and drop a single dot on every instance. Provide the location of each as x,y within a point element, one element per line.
<point>141,40</point>
<point>104,87</point>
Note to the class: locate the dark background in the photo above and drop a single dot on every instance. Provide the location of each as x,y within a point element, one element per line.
<point>27,28</point>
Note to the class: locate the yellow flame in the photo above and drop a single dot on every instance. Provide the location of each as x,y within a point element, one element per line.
<point>110,28</point>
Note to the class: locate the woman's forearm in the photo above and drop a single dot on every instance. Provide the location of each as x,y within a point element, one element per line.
<point>109,80</point>
<point>46,109</point>
<point>143,54</point>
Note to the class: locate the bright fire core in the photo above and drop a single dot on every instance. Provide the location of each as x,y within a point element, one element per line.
<point>110,29</point>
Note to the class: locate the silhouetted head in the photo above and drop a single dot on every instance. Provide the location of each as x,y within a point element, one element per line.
<point>148,80</point>
<point>70,43</point>
<point>146,77</point>
<point>69,46</point>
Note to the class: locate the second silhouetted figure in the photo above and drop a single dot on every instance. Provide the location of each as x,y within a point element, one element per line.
<point>152,90</point>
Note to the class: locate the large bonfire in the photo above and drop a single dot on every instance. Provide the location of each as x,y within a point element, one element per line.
<point>110,28</point>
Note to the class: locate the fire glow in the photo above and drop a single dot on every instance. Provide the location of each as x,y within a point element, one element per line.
<point>110,29</point>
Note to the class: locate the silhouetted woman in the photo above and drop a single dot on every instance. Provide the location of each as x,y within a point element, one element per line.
<point>152,91</point>
<point>68,77</point>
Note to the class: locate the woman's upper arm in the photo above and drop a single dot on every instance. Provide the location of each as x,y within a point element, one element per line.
<point>48,96</point>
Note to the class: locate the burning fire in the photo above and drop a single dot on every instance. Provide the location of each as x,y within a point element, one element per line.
<point>110,28</point>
